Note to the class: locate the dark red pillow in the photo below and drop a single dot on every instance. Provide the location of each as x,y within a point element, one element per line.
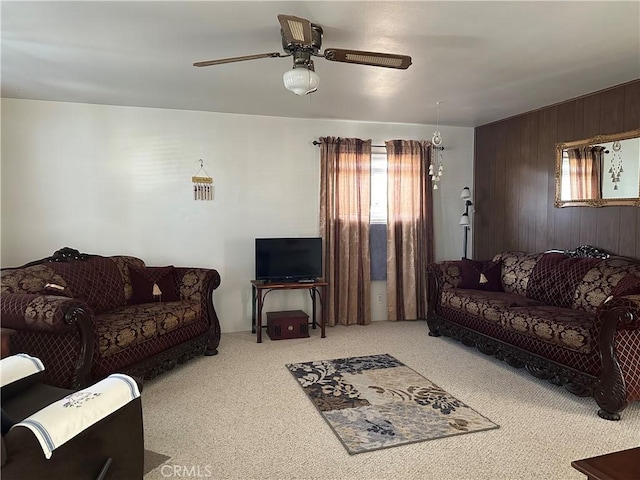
<point>628,285</point>
<point>481,275</point>
<point>152,284</point>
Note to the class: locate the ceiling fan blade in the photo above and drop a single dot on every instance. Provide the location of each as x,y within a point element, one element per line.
<point>238,59</point>
<point>295,30</point>
<point>375,59</point>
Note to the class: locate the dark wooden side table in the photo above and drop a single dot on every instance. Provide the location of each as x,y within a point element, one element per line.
<point>622,465</point>
<point>261,289</point>
<point>5,349</point>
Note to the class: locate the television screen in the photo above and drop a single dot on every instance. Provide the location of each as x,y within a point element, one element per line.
<point>288,259</point>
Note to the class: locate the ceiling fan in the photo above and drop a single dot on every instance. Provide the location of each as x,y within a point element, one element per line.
<point>302,40</point>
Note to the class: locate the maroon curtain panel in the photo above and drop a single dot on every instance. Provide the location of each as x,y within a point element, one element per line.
<point>409,228</point>
<point>345,197</point>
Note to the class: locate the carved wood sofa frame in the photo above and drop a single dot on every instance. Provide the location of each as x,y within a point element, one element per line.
<point>609,388</point>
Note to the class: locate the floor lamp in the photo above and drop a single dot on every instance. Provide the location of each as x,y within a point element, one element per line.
<point>464,219</point>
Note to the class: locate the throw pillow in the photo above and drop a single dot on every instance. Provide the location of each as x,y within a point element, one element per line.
<point>481,275</point>
<point>628,285</point>
<point>556,278</point>
<point>152,284</point>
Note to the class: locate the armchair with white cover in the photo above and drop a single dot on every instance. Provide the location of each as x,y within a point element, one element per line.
<point>55,433</point>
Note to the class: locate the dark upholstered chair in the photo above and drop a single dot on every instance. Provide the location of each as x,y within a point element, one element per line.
<point>112,448</point>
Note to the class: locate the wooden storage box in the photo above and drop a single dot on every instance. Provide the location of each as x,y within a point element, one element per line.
<point>287,324</point>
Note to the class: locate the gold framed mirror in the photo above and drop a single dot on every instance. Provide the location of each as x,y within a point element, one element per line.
<point>599,171</point>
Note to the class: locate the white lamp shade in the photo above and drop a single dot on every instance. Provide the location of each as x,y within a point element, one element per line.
<point>466,193</point>
<point>464,220</point>
<point>301,80</point>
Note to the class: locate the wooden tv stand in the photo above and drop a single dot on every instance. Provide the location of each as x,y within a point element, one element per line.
<point>260,290</point>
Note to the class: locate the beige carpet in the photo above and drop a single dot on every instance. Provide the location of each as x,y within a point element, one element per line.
<point>153,460</point>
<point>241,415</point>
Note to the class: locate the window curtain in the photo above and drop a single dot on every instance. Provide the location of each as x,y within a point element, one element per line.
<point>409,228</point>
<point>345,197</point>
<point>584,172</point>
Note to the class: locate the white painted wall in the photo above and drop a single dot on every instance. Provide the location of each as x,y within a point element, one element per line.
<point>117,180</point>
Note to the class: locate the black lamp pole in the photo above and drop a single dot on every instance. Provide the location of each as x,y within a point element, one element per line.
<point>466,227</point>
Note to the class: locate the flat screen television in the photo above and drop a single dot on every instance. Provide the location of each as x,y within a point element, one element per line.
<point>288,259</point>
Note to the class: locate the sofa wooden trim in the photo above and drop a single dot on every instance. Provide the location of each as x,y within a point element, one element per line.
<point>79,318</point>
<point>609,389</point>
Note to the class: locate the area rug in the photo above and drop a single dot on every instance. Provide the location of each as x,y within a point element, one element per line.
<point>376,402</point>
<point>152,460</point>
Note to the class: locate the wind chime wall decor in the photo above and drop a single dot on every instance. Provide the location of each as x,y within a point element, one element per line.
<point>202,185</point>
<point>616,164</point>
<point>436,168</point>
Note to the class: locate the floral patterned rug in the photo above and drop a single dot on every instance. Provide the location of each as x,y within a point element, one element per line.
<point>376,402</point>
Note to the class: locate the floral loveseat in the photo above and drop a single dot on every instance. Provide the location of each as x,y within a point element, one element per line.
<point>87,316</point>
<point>571,317</point>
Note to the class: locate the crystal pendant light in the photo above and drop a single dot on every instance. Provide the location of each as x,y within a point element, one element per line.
<point>436,168</point>
<point>616,164</point>
<point>436,140</point>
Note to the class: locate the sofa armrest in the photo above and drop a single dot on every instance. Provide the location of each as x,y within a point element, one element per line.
<point>440,275</point>
<point>193,282</point>
<point>619,313</point>
<point>27,311</point>
<point>58,330</point>
<point>447,273</point>
<point>615,322</point>
<point>198,284</point>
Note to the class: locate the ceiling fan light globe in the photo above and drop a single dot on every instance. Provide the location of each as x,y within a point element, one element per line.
<point>301,81</point>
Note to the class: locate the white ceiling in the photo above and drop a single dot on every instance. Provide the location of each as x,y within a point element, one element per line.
<point>483,61</point>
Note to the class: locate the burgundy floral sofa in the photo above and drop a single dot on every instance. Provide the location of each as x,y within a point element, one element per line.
<point>570,317</point>
<point>87,316</point>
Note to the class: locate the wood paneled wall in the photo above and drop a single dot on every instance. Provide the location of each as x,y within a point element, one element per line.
<point>515,185</point>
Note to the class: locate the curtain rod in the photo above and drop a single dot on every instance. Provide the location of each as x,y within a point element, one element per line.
<point>317,143</point>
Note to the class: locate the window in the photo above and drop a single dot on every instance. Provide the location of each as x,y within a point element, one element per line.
<point>378,212</point>
<point>565,188</point>
<point>378,217</point>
